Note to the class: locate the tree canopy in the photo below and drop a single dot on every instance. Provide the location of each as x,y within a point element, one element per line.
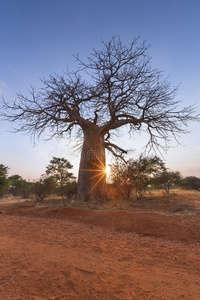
<point>4,182</point>
<point>167,179</point>
<point>122,89</point>
<point>191,182</point>
<point>58,169</point>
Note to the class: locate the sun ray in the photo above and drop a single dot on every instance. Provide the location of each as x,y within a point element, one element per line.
<point>100,172</point>
<point>96,183</point>
<point>95,176</point>
<point>103,165</point>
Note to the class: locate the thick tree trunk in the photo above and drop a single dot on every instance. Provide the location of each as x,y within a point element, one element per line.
<point>92,175</point>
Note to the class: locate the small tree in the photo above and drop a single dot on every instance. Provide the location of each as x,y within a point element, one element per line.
<point>58,169</point>
<point>137,174</point>
<point>4,182</point>
<point>3,170</point>
<point>191,183</point>
<point>17,185</point>
<point>166,180</point>
<point>119,176</point>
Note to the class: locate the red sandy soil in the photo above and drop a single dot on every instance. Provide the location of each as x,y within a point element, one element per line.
<point>73,253</point>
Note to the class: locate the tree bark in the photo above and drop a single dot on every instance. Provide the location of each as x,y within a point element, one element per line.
<point>92,175</point>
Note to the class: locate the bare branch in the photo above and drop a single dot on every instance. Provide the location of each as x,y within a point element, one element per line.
<point>123,90</point>
<point>117,151</point>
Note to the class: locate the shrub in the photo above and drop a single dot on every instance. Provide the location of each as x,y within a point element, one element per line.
<point>43,188</point>
<point>70,189</point>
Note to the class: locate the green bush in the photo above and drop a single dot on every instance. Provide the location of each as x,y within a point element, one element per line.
<point>70,189</point>
<point>44,188</point>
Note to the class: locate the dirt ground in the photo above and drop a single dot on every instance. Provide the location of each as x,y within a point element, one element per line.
<point>55,252</point>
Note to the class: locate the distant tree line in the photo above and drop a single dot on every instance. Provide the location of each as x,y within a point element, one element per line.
<point>127,179</point>
<point>56,180</point>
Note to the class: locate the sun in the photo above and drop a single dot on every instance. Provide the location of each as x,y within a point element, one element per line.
<point>107,170</point>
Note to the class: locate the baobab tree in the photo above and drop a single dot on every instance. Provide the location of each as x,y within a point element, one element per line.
<point>115,87</point>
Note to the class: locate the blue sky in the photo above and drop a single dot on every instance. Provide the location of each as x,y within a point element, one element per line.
<point>39,37</point>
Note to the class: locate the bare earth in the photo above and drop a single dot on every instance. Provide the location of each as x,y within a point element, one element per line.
<point>71,253</point>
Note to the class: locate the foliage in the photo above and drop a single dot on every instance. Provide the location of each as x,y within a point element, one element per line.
<point>27,190</point>
<point>191,183</point>
<point>20,187</point>
<point>166,180</point>
<point>17,185</point>
<point>70,189</point>
<point>3,170</point>
<point>136,174</point>
<point>4,182</point>
<point>44,187</point>
<point>58,169</point>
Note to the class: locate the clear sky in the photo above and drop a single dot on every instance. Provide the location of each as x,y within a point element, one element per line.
<point>39,37</point>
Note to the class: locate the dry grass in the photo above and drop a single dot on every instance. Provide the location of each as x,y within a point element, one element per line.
<point>154,200</point>
<point>183,196</point>
<point>9,199</point>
